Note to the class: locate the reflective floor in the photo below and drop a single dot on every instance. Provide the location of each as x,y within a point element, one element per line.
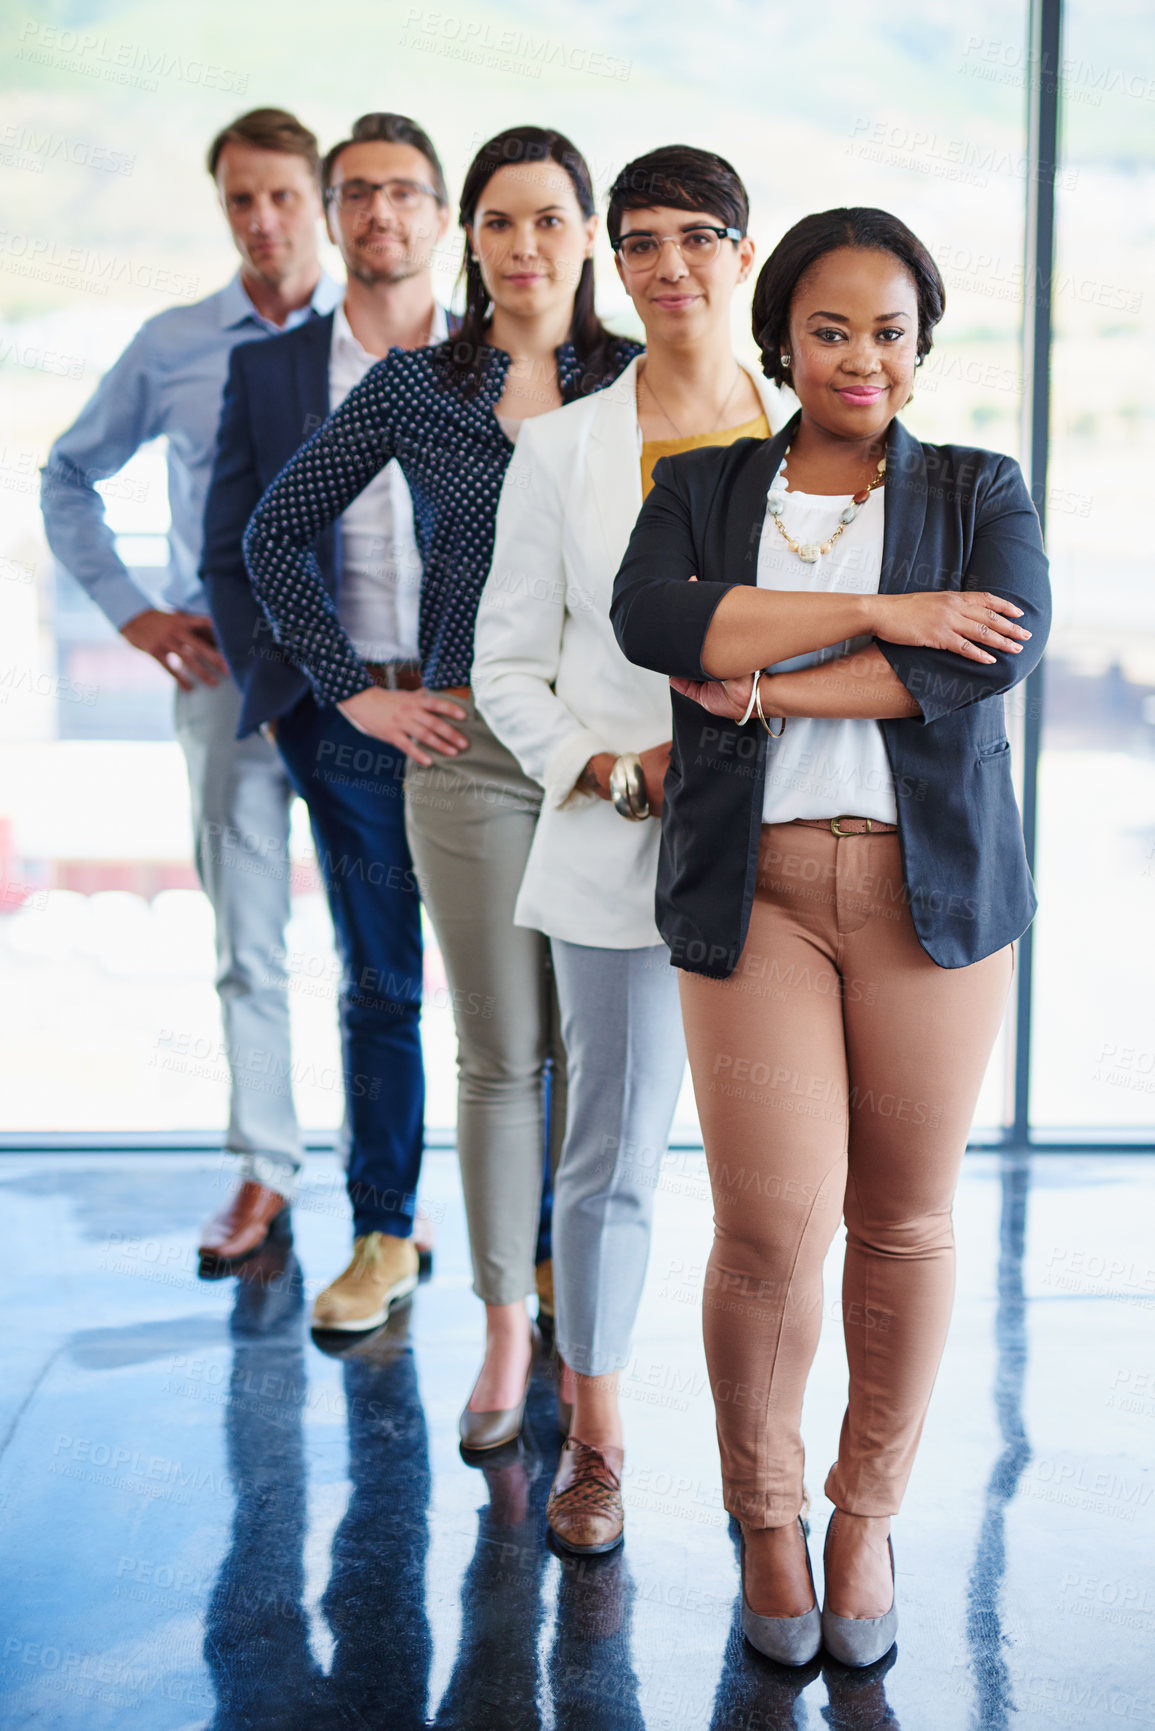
<point>207,1522</point>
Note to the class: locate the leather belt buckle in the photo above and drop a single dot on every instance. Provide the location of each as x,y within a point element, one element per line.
<point>395,675</point>
<point>835,830</point>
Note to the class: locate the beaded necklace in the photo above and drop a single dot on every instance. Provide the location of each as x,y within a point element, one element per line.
<point>810,551</point>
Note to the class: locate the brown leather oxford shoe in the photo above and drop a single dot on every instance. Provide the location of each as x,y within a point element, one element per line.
<point>240,1229</point>
<point>585,1505</point>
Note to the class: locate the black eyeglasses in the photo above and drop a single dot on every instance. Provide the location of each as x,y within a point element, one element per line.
<point>696,245</point>
<point>359,194</point>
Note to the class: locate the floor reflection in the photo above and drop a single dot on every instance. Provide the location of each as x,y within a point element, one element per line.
<point>209,1520</point>
<point>256,1631</point>
<point>495,1674</point>
<point>375,1600</point>
<point>984,1621</point>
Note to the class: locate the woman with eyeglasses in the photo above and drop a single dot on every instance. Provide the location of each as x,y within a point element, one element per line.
<point>841,610</point>
<point>529,341</point>
<point>595,733</point>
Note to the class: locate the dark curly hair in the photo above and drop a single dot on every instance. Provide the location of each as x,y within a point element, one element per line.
<point>811,239</point>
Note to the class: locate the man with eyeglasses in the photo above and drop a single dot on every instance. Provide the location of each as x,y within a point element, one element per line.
<point>387,211</point>
<point>167,384</point>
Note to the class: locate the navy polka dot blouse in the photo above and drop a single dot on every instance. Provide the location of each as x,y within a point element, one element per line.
<point>453,454</point>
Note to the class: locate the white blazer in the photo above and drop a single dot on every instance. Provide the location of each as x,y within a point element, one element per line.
<point>548,675</point>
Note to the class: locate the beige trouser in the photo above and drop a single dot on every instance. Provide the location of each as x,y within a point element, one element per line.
<point>470,822</point>
<point>836,1073</point>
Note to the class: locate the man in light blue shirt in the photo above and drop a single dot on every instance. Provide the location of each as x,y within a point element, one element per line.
<point>169,383</point>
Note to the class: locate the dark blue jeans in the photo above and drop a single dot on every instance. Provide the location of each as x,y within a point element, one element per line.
<point>354,789</point>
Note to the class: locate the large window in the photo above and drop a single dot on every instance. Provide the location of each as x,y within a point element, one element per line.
<point>1094,1034</point>
<point>109,1021</point>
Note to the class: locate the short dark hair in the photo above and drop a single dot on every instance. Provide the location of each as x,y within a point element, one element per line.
<point>682,178</point>
<point>811,239</point>
<point>267,129</point>
<point>389,129</point>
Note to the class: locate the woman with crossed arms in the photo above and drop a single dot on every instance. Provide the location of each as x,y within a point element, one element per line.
<point>554,686</point>
<point>842,876</point>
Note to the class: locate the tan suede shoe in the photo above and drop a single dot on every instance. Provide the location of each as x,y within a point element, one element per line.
<point>585,1505</point>
<point>382,1272</point>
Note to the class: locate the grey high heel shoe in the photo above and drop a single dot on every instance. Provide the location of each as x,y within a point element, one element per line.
<point>859,1641</point>
<point>788,1640</point>
<point>490,1430</point>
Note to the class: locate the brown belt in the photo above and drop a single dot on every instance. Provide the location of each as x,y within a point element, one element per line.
<point>842,825</point>
<point>395,675</point>
<point>462,692</point>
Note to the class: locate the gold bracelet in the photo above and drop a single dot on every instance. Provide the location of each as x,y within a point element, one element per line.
<point>762,718</point>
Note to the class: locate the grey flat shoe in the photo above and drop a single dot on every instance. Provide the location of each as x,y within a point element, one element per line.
<point>490,1430</point>
<point>860,1641</point>
<point>788,1640</point>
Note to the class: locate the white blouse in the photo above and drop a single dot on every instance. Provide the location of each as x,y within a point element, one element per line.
<point>825,768</point>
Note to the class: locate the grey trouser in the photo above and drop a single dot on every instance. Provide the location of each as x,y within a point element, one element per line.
<point>470,823</point>
<point>240,813</point>
<point>622,1026</point>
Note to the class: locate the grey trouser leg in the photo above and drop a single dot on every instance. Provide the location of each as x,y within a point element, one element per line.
<point>470,822</point>
<point>622,1027</point>
<point>240,811</point>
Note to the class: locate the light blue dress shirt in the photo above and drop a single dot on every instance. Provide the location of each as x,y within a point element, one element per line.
<point>168,382</point>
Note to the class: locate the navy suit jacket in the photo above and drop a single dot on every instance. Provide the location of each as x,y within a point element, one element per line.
<point>956,518</point>
<point>276,396</point>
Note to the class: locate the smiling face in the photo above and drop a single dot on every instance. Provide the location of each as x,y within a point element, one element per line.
<point>531,238</point>
<point>272,203</point>
<point>384,240</point>
<point>682,294</point>
<point>852,341</point>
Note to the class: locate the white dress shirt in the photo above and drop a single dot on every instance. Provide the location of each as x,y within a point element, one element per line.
<point>823,768</point>
<point>380,585</point>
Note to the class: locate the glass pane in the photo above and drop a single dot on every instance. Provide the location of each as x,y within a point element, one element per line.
<point>103,927</point>
<point>1094,1040</point>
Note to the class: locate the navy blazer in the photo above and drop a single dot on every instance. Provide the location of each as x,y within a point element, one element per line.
<point>276,396</point>
<point>956,518</point>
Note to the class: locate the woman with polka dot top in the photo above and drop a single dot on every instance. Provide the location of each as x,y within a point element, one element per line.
<point>530,341</point>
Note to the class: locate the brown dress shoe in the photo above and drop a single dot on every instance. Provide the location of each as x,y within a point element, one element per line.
<point>240,1228</point>
<point>585,1505</point>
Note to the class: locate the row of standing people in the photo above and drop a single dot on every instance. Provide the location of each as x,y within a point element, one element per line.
<point>525,737</point>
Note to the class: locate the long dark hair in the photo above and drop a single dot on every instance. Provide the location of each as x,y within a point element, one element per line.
<point>591,340</point>
<point>811,239</point>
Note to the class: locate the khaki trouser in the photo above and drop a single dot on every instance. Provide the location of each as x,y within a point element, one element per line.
<point>836,1073</point>
<point>470,822</point>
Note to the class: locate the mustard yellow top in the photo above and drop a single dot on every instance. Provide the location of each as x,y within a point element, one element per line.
<point>759,428</point>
